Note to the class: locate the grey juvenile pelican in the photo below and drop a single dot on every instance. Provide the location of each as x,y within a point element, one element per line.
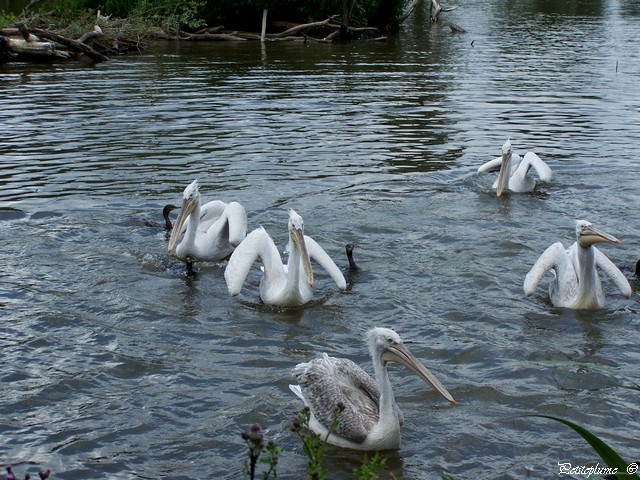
<point>212,230</point>
<point>576,283</point>
<point>514,170</point>
<point>282,285</point>
<point>371,420</point>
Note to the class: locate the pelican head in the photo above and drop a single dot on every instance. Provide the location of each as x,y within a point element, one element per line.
<point>505,170</point>
<point>588,235</point>
<point>296,234</point>
<point>385,345</point>
<point>190,199</point>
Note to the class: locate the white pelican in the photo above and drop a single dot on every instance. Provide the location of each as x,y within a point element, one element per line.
<point>282,285</point>
<point>576,283</point>
<point>514,171</point>
<point>371,420</point>
<point>212,230</point>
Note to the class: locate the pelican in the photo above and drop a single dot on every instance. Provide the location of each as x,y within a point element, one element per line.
<point>576,283</point>
<point>212,230</point>
<point>514,171</point>
<point>370,420</point>
<point>282,285</point>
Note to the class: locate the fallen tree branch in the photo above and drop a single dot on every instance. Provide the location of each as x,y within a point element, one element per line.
<point>70,43</point>
<point>304,26</point>
<point>34,36</point>
<point>212,36</point>
<point>409,10</point>
<point>96,32</point>
<point>217,29</point>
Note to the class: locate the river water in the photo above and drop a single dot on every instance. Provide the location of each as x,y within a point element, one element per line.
<point>116,364</point>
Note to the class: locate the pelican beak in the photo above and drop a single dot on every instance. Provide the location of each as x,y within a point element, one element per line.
<point>188,206</point>
<point>503,176</point>
<point>400,354</point>
<point>297,235</point>
<point>590,235</point>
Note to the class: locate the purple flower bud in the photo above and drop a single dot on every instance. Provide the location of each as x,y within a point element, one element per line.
<point>255,428</point>
<point>44,473</point>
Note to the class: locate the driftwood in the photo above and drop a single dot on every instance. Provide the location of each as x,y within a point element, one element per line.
<point>305,26</point>
<point>435,10</point>
<point>409,10</point>
<point>33,47</point>
<point>32,43</point>
<point>218,29</point>
<point>211,36</point>
<point>96,32</point>
<point>293,33</point>
<point>72,44</point>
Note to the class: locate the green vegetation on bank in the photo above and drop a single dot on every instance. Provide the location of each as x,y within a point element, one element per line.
<point>233,14</point>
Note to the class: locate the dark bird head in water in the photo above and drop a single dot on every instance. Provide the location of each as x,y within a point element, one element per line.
<point>352,263</point>
<point>165,213</point>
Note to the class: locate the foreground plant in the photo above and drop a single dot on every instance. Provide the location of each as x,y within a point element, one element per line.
<point>313,446</point>
<point>371,467</point>
<point>43,474</point>
<point>255,441</point>
<point>614,461</point>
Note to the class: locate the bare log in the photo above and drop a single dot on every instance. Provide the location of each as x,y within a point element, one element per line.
<point>409,10</point>
<point>456,28</point>
<point>304,26</point>
<point>217,29</point>
<point>22,46</point>
<point>96,32</point>
<point>435,10</point>
<point>213,36</point>
<point>72,44</point>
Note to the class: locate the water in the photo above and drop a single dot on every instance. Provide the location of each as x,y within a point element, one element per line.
<point>116,364</point>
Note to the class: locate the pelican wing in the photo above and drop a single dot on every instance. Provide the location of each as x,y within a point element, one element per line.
<point>541,168</point>
<point>553,257</point>
<point>258,244</point>
<point>210,212</point>
<point>237,219</point>
<point>610,269</point>
<point>327,381</point>
<point>491,165</point>
<point>319,255</point>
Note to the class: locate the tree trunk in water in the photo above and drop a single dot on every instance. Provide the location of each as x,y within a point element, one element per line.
<point>347,7</point>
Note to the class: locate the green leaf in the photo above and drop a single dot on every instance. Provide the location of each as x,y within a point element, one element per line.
<point>608,455</point>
